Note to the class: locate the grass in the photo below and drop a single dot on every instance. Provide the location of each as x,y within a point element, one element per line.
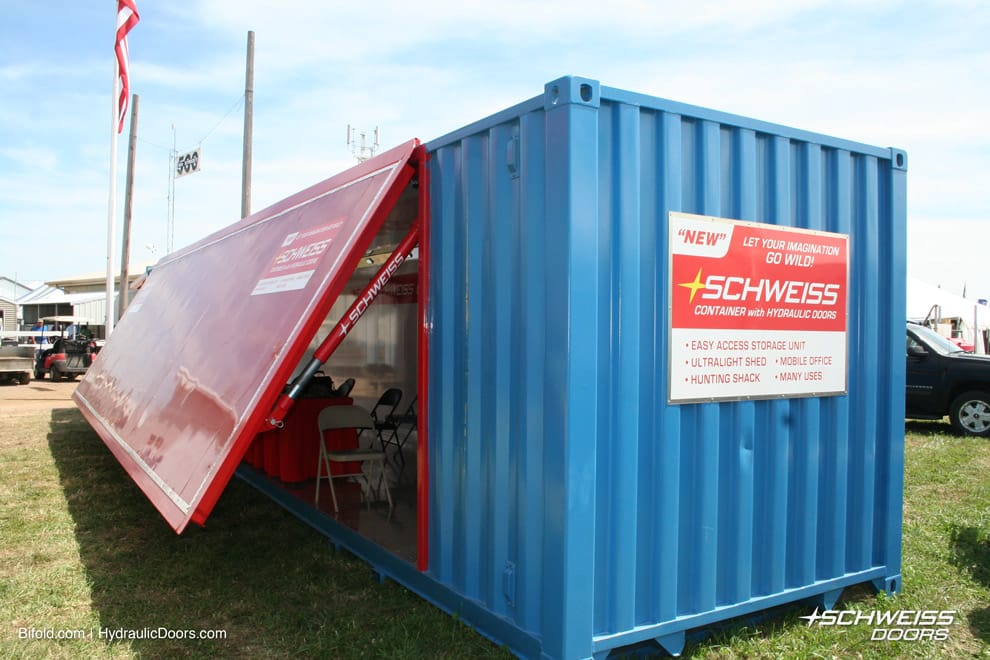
<point>945,565</point>
<point>82,549</point>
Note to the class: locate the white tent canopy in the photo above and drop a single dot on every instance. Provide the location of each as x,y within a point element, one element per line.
<point>922,297</point>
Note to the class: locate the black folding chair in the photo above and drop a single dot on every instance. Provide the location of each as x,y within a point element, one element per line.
<point>382,413</point>
<point>396,432</point>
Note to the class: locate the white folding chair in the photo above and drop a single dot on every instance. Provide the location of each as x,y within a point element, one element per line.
<point>347,417</point>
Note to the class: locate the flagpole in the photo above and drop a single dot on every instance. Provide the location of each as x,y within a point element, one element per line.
<point>112,204</point>
<point>126,18</point>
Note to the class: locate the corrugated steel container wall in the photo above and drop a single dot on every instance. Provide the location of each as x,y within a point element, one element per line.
<point>567,496</point>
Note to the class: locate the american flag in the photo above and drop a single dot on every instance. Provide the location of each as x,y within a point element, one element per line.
<point>127,18</point>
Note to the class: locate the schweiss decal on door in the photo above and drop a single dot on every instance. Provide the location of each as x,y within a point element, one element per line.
<point>297,258</point>
<point>757,311</point>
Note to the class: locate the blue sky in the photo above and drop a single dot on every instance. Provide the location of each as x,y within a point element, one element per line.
<point>909,74</point>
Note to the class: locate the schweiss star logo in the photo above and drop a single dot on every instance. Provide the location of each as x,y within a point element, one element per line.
<point>813,617</point>
<point>694,286</point>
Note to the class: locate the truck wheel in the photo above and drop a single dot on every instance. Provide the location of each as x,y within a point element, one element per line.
<point>25,378</point>
<point>970,413</point>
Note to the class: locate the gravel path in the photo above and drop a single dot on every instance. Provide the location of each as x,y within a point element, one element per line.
<point>36,395</point>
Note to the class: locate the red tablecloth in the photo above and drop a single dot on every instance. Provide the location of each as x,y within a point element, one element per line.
<point>292,453</point>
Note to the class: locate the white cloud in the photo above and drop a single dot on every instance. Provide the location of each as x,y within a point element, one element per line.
<point>950,252</point>
<point>39,158</point>
<point>887,73</point>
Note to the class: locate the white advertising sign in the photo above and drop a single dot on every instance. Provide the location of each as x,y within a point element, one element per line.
<point>757,311</point>
<point>188,163</point>
<point>297,259</point>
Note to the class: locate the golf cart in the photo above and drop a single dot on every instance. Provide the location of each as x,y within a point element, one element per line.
<point>72,349</point>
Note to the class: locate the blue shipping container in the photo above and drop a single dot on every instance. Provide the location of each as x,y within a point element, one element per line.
<point>580,485</point>
<point>569,501</point>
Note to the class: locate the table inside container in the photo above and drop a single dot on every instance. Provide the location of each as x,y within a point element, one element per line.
<point>292,452</point>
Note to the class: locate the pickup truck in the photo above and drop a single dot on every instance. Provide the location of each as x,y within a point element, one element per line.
<point>16,362</point>
<point>942,379</point>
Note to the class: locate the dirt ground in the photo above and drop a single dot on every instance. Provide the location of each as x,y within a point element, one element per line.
<point>36,395</point>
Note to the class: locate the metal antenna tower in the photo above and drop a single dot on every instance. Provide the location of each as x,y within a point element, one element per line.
<point>362,151</point>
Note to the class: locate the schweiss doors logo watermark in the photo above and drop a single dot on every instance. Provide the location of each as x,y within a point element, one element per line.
<point>893,626</point>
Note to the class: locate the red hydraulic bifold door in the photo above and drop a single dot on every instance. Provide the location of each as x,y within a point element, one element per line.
<point>198,361</point>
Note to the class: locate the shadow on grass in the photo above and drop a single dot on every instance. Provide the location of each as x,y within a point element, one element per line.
<point>929,427</point>
<point>971,553</point>
<point>269,582</point>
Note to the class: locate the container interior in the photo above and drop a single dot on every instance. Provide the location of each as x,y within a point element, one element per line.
<point>379,353</point>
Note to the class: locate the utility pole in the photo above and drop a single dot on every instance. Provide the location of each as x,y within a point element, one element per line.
<point>248,128</point>
<point>170,218</point>
<point>128,207</point>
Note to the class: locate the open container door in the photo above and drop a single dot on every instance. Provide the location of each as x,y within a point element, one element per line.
<point>196,365</point>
